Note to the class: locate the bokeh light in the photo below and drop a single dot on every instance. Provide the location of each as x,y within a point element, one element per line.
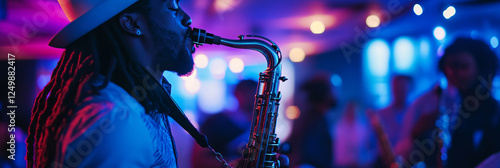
<point>373,21</point>
<point>211,98</point>
<point>192,85</point>
<point>439,33</point>
<point>317,27</point>
<point>218,68</point>
<point>377,60</point>
<point>201,61</point>
<point>336,80</point>
<point>236,65</point>
<point>292,112</point>
<point>404,54</point>
<point>418,9</point>
<point>494,42</point>
<point>225,5</point>
<point>297,55</point>
<point>42,80</point>
<point>449,12</point>
<point>440,51</point>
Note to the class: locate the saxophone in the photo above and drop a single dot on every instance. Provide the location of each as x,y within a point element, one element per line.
<point>263,144</point>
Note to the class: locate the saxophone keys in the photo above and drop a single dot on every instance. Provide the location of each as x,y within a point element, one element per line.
<point>283,78</point>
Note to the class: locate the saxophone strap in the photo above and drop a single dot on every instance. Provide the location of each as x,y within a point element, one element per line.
<point>175,112</point>
<point>179,117</point>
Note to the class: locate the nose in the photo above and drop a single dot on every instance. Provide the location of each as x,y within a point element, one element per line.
<point>186,19</point>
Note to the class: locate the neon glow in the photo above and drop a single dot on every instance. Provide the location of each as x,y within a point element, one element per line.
<point>404,54</point>
<point>377,57</point>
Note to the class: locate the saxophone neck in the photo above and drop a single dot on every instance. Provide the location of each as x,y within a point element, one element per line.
<point>261,44</point>
<point>271,53</point>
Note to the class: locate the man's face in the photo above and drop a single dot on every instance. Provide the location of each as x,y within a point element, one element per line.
<point>171,44</point>
<point>461,70</point>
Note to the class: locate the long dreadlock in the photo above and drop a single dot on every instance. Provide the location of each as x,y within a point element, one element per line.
<point>101,51</point>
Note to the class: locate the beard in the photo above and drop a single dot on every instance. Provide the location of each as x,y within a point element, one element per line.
<point>173,54</point>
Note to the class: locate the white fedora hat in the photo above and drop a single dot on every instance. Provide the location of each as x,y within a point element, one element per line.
<point>85,15</point>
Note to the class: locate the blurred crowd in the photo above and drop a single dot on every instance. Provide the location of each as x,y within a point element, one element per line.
<point>456,124</point>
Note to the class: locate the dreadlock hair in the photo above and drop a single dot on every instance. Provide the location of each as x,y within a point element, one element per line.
<point>101,51</point>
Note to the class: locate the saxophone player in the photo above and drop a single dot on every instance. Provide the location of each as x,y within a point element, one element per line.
<point>97,111</point>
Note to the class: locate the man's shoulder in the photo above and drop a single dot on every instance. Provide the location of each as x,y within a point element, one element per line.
<point>110,104</point>
<point>110,121</point>
<point>112,95</point>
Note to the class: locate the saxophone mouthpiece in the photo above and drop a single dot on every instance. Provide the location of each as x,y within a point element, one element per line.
<point>200,36</point>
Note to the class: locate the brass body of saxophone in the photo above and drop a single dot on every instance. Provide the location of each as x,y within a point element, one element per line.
<point>263,143</point>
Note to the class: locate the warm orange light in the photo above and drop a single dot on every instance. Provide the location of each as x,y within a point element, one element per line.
<point>201,61</point>
<point>225,5</point>
<point>292,112</point>
<point>236,65</point>
<point>317,27</point>
<point>373,21</point>
<point>297,55</point>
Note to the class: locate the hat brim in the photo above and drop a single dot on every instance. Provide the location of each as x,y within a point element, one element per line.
<point>89,21</point>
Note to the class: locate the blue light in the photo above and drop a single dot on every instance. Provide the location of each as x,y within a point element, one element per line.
<point>404,54</point>
<point>377,60</point>
<point>474,34</point>
<point>440,51</point>
<point>419,165</point>
<point>425,48</point>
<point>42,80</point>
<point>382,91</point>
<point>496,87</point>
<point>443,82</point>
<point>444,156</point>
<point>336,80</point>
<point>232,103</point>
<point>494,42</point>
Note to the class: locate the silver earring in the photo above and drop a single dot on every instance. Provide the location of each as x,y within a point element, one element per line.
<point>138,32</point>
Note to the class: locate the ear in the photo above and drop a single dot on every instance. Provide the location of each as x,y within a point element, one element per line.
<point>129,23</point>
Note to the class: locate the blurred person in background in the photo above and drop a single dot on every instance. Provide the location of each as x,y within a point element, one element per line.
<point>387,122</point>
<point>310,141</point>
<point>228,131</point>
<point>353,145</point>
<point>467,115</point>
